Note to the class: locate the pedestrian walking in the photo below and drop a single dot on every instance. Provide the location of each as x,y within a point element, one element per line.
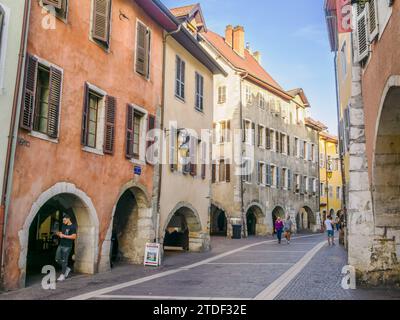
<point>67,237</point>
<point>287,228</point>
<point>330,231</point>
<point>337,222</point>
<point>279,229</point>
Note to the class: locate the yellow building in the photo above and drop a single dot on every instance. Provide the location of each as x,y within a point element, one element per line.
<point>331,185</point>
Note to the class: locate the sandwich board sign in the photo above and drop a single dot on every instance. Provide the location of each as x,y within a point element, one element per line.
<point>152,255</point>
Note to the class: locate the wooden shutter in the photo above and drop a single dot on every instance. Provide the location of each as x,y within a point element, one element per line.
<point>289,185</point>
<point>109,125</point>
<point>214,173</point>
<point>193,156</point>
<point>28,103</point>
<point>101,20</point>
<point>130,115</point>
<point>203,160</point>
<point>54,102</point>
<point>244,133</point>
<point>141,49</point>
<point>228,131</point>
<point>228,172</point>
<point>55,3</point>
<point>362,35</point>
<point>253,133</point>
<point>151,125</point>
<point>268,138</point>
<point>85,116</point>
<point>373,19</point>
<point>288,145</point>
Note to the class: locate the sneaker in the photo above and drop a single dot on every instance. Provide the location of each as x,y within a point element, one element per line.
<point>67,272</point>
<point>288,242</point>
<point>61,278</point>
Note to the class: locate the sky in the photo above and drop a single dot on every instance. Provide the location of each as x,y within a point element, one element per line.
<point>293,40</point>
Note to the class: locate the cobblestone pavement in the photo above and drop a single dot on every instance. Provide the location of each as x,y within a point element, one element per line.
<point>256,265</point>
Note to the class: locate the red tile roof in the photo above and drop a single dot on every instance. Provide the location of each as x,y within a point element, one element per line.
<point>248,63</point>
<point>315,124</point>
<point>183,11</point>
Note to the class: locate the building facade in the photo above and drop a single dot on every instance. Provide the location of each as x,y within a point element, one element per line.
<point>82,136</point>
<point>13,19</point>
<point>330,176</point>
<point>187,123</point>
<point>373,141</point>
<point>265,156</point>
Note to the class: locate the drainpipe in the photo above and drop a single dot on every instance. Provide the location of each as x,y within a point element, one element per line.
<point>165,37</point>
<point>11,136</point>
<point>244,222</point>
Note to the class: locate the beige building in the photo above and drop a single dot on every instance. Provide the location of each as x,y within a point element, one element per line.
<point>187,122</point>
<point>265,154</point>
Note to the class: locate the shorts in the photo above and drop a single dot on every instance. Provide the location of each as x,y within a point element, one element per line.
<point>331,234</point>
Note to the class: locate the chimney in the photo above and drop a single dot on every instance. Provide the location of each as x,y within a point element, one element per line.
<point>229,35</point>
<point>238,40</point>
<point>257,56</point>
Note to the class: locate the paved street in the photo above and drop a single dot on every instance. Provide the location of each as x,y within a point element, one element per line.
<point>255,268</point>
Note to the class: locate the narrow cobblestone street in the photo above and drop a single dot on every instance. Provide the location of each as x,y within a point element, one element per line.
<point>254,268</point>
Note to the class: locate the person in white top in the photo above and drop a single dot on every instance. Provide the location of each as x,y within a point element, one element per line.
<point>330,230</point>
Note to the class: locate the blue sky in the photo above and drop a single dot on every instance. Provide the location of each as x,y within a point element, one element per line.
<point>292,38</point>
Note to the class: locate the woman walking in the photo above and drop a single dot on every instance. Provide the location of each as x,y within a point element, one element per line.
<point>287,228</point>
<point>279,229</point>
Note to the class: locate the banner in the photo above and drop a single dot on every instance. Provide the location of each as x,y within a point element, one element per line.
<point>344,15</point>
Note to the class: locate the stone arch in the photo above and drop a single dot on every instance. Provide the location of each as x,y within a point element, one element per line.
<point>278,211</point>
<point>386,159</point>
<point>191,235</point>
<point>255,220</point>
<point>308,220</point>
<point>134,199</point>
<point>219,221</point>
<point>86,245</point>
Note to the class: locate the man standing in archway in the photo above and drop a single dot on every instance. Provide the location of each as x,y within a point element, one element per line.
<point>67,237</point>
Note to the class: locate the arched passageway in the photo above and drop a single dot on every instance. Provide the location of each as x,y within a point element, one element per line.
<point>307,220</point>
<point>386,169</point>
<point>253,216</point>
<point>183,231</point>
<point>219,222</point>
<point>125,246</point>
<point>42,227</point>
<point>277,212</point>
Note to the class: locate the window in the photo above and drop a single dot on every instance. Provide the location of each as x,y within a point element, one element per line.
<point>313,153</point>
<point>248,132</point>
<point>268,138</point>
<point>143,48</point>
<point>284,146</point>
<point>278,182</point>
<point>261,136</point>
<point>199,92</point>
<point>338,193</point>
<point>273,176</point>
<point>221,171</point>
<point>223,131</point>
<point>304,187</point>
<point>322,189</point>
<point>321,161</point>
<point>296,147</point>
<point>60,7</point>
<point>269,175</point>
<point>296,180</point>
<point>180,78</point>
<point>261,174</point>
<point>98,120</point>
<point>261,100</point>
<point>284,178</point>
<point>247,170</point>
<point>310,186</point>
<point>42,97</point>
<point>221,94</point>
<point>289,179</point>
<point>304,150</point>
<point>277,142</point>
<point>288,146</point>
<point>249,95</point>
<point>101,24</point>
<point>272,140</point>
<point>135,125</point>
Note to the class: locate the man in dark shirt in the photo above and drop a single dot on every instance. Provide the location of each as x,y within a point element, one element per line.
<point>67,237</point>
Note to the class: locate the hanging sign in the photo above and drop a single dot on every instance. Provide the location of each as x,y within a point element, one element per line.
<point>152,255</point>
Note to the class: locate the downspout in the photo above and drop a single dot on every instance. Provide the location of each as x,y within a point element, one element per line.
<point>165,37</point>
<point>11,136</point>
<point>244,220</point>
